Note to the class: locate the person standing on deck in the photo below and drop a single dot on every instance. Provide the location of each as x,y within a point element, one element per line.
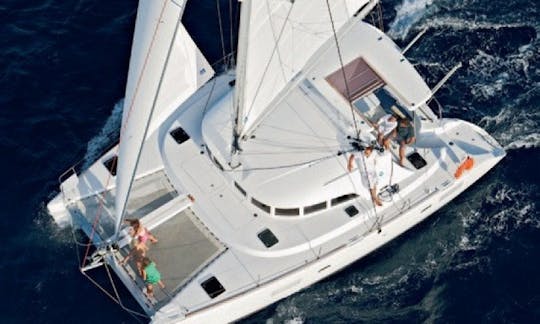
<point>404,136</point>
<point>151,276</point>
<point>138,253</point>
<point>385,129</point>
<point>369,171</point>
<point>140,232</point>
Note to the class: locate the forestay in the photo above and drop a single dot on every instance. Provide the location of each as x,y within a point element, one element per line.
<point>165,68</point>
<point>276,39</point>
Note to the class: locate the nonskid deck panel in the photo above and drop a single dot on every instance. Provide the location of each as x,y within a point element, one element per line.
<point>149,193</point>
<point>184,247</point>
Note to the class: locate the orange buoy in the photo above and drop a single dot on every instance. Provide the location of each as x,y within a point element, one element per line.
<point>465,165</point>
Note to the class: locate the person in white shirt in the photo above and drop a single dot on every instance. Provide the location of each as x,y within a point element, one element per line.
<point>385,129</point>
<point>369,171</point>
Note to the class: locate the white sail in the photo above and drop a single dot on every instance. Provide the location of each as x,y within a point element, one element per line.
<point>276,39</point>
<point>165,68</point>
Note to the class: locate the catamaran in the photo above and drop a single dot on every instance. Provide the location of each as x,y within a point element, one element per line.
<point>242,175</point>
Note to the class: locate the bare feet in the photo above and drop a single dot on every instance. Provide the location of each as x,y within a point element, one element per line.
<point>377,202</point>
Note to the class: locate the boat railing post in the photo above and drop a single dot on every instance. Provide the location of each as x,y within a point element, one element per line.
<point>414,40</point>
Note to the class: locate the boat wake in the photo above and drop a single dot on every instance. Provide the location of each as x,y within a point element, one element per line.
<point>408,13</point>
<point>108,135</point>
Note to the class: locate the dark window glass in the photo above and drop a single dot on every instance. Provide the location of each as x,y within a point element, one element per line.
<point>259,204</point>
<point>314,208</point>
<point>239,188</point>
<point>342,199</point>
<point>111,164</point>
<point>288,211</point>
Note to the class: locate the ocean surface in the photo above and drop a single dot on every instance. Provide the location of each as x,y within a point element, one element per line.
<point>63,66</point>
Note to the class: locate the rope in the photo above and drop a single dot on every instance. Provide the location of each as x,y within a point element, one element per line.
<point>223,52</point>
<point>130,311</point>
<point>343,70</point>
<point>231,35</point>
<point>285,166</point>
<point>379,13</point>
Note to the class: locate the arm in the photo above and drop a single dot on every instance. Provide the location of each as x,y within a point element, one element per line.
<point>350,163</point>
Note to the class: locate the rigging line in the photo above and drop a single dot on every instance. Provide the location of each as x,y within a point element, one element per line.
<point>343,70</point>
<point>111,296</point>
<point>127,309</point>
<point>221,30</point>
<point>274,35</point>
<point>147,126</point>
<point>284,166</point>
<point>231,36</point>
<point>209,95</point>
<point>379,13</point>
<point>267,67</point>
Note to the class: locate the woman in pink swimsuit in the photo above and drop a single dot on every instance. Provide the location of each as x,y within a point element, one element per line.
<point>140,232</point>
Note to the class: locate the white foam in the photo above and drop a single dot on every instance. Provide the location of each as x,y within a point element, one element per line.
<point>514,129</point>
<point>407,14</point>
<point>462,24</point>
<point>107,136</point>
<point>513,209</point>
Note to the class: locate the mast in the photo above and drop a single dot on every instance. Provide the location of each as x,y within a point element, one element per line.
<point>241,59</point>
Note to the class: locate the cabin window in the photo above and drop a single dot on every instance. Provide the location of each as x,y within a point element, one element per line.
<point>259,204</point>
<point>212,287</point>
<point>342,199</point>
<point>315,208</point>
<point>390,105</point>
<point>111,164</point>
<point>351,211</point>
<point>267,238</point>
<point>287,211</point>
<point>179,135</point>
<point>242,191</point>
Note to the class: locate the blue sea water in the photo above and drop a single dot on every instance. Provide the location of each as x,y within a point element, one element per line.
<point>63,70</point>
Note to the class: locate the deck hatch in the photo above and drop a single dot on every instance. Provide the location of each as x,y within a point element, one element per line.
<point>212,287</point>
<point>361,79</point>
<point>351,211</point>
<point>417,160</point>
<point>267,238</point>
<point>111,164</point>
<point>179,135</point>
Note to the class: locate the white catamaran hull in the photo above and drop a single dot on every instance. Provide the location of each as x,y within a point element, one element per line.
<point>237,307</point>
<point>243,178</point>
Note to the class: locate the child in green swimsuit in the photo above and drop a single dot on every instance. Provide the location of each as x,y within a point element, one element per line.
<point>151,276</point>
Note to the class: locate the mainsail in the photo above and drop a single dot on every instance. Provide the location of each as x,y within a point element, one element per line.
<point>276,39</point>
<point>165,68</point>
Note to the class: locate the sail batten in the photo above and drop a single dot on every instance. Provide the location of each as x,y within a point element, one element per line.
<point>276,39</point>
